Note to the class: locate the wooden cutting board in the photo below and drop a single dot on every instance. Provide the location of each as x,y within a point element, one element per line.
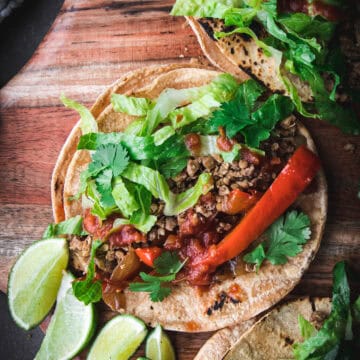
<point>91,44</point>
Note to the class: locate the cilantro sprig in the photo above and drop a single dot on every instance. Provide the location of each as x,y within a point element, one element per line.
<point>285,238</point>
<point>248,116</point>
<point>167,264</point>
<point>89,290</point>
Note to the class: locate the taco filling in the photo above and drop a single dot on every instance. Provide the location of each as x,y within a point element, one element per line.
<point>173,198</point>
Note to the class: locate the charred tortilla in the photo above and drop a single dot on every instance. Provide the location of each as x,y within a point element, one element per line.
<point>271,337</point>
<point>188,308</point>
<point>239,54</point>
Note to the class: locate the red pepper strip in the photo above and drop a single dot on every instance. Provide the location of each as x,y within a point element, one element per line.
<point>293,179</point>
<point>148,255</point>
<point>239,201</point>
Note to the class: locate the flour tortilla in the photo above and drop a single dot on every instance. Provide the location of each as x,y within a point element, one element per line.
<point>271,338</point>
<point>186,308</point>
<point>239,55</point>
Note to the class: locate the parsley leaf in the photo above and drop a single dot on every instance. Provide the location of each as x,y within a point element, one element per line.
<point>89,291</point>
<point>167,264</point>
<point>286,238</point>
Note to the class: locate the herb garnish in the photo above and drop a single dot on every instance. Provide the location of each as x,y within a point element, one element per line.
<point>71,226</point>
<point>167,264</point>
<point>253,120</point>
<point>286,238</point>
<point>89,290</point>
<point>335,339</point>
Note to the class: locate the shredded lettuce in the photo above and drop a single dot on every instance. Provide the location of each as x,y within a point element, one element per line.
<point>124,200</point>
<point>130,105</point>
<point>222,87</point>
<point>178,203</point>
<point>297,38</point>
<point>161,135</point>
<point>154,182</point>
<point>204,8</point>
<point>330,340</point>
<point>88,123</point>
<point>71,226</point>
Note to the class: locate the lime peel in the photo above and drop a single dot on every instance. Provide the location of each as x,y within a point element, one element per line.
<point>71,326</point>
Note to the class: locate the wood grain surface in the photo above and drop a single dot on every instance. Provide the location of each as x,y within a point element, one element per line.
<point>92,43</point>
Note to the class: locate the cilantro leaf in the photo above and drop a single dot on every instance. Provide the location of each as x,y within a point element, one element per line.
<point>112,156</point>
<point>167,264</point>
<point>286,238</point>
<point>235,114</point>
<point>72,226</point>
<point>89,290</point>
<point>240,116</point>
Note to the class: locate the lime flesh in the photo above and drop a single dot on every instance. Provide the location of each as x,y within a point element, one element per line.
<point>158,346</point>
<point>35,279</point>
<point>119,339</point>
<point>71,326</point>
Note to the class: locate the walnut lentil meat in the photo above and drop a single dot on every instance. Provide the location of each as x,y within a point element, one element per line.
<point>204,224</point>
<point>246,174</point>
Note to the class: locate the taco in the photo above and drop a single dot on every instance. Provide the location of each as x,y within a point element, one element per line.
<point>289,46</point>
<point>304,328</point>
<point>168,163</point>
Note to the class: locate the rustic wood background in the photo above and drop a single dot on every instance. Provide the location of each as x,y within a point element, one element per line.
<point>92,43</point>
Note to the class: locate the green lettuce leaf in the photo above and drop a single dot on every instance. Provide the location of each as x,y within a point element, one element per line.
<point>161,135</point>
<point>71,226</point>
<point>223,86</point>
<point>124,199</point>
<point>204,8</point>
<point>326,343</point>
<point>178,203</point>
<point>154,182</point>
<point>89,290</point>
<point>88,123</point>
<point>130,105</point>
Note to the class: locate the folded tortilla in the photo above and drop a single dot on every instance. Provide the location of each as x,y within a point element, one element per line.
<point>271,337</point>
<point>187,307</point>
<point>238,54</point>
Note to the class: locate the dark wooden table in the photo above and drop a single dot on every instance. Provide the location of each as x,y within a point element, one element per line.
<point>92,43</point>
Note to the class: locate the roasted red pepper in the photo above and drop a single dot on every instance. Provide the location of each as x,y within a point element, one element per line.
<point>293,179</point>
<point>239,201</point>
<point>148,255</point>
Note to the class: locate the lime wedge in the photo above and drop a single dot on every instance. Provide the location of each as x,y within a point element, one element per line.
<point>158,346</point>
<point>119,339</point>
<point>35,279</point>
<point>71,326</point>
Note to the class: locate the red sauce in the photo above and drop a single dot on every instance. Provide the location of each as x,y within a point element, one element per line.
<point>192,326</point>
<point>173,242</point>
<point>193,142</point>
<point>251,157</point>
<point>327,11</point>
<point>126,235</point>
<point>94,226</point>
<point>236,292</point>
<point>285,6</point>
